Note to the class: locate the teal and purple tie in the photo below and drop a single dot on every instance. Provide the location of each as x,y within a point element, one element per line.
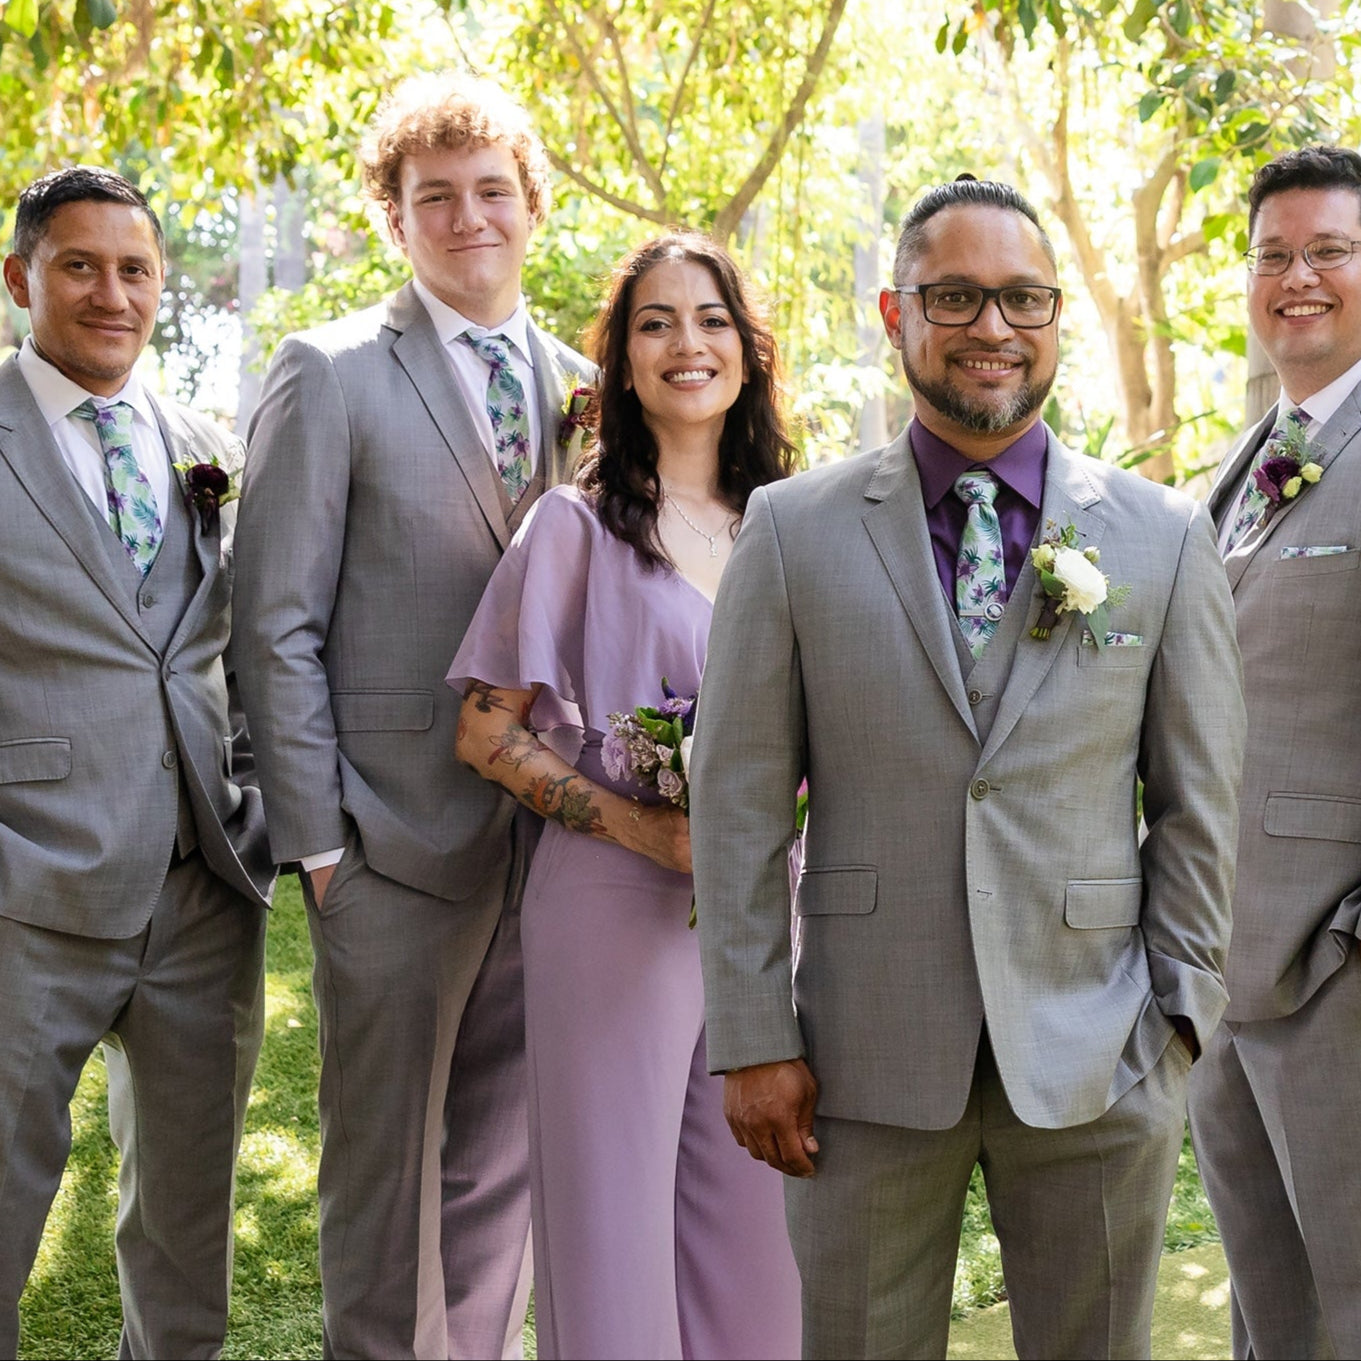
<point>508,412</point>
<point>132,504</point>
<point>980,568</point>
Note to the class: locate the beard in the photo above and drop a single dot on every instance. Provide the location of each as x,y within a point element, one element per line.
<point>988,414</point>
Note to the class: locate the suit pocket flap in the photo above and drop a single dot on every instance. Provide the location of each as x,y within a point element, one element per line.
<point>1318,816</point>
<point>1093,903</point>
<point>847,890</point>
<point>383,710</point>
<point>35,758</point>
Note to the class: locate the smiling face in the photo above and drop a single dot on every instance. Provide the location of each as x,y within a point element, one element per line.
<point>684,357</point>
<point>979,387</point>
<point>1308,321</point>
<point>92,289</point>
<point>464,225</point>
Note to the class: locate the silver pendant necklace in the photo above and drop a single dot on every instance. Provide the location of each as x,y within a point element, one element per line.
<point>711,538</point>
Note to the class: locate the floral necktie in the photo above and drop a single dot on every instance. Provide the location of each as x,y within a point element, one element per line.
<point>508,412</point>
<point>1251,501</point>
<point>132,504</point>
<point>980,568</point>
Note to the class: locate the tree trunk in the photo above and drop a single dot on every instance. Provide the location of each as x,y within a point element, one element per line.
<point>868,276</point>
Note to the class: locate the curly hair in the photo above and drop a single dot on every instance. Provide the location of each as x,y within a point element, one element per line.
<point>1308,167</point>
<point>620,474</point>
<point>449,112</point>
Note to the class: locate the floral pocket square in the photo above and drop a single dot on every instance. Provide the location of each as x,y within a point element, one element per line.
<point>1315,550</point>
<point>1114,639</point>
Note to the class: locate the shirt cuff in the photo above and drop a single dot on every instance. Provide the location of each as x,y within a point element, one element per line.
<point>320,860</point>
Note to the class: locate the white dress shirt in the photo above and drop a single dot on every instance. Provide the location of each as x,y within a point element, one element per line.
<point>58,396</point>
<point>472,372</point>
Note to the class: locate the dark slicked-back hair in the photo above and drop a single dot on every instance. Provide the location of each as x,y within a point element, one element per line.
<point>74,184</point>
<point>1309,167</point>
<point>966,191</point>
<point>620,474</point>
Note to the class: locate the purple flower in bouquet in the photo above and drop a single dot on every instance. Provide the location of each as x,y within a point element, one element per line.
<point>614,756</point>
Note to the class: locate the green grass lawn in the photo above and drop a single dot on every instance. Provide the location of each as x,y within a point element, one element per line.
<point>71,1310</point>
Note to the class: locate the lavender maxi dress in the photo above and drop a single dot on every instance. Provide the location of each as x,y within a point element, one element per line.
<point>655,1235</point>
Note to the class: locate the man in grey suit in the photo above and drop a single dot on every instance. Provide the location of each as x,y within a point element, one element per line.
<point>990,966</point>
<point>393,455</point>
<point>133,861</point>
<point>1276,1102</point>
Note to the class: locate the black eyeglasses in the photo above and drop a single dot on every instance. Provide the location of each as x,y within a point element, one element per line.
<point>1328,252</point>
<point>1024,306</point>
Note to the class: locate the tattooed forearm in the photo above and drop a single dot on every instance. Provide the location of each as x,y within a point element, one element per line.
<point>513,746</point>
<point>488,699</point>
<point>563,799</point>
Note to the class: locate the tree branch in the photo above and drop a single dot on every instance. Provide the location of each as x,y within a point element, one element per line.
<point>691,57</point>
<point>725,223</point>
<point>565,167</point>
<point>627,129</point>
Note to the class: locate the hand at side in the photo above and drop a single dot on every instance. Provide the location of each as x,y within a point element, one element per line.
<point>769,1108</point>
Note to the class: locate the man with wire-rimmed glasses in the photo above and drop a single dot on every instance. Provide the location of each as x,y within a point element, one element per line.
<point>1276,1103</point>
<point>991,969</point>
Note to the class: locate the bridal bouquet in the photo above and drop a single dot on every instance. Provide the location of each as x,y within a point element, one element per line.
<point>652,746</point>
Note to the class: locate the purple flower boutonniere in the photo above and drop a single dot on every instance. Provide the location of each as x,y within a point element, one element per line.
<point>1287,472</point>
<point>572,430</point>
<point>208,487</point>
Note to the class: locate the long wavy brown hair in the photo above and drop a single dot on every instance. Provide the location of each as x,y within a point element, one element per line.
<point>620,473</point>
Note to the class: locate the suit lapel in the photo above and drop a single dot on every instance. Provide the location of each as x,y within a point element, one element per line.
<point>417,349</point>
<point>552,384</point>
<point>1069,496</point>
<point>26,444</point>
<point>181,446</point>
<point>1223,493</point>
<point>897,526</point>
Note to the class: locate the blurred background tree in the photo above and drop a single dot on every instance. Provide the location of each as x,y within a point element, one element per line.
<point>798,131</point>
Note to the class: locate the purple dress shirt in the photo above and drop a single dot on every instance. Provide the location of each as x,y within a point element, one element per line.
<point>1019,470</point>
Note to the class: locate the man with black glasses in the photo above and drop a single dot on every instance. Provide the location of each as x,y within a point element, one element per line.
<point>1276,1103</point>
<point>991,969</point>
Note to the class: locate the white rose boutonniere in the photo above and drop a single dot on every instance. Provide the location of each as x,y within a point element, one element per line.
<point>1072,582</point>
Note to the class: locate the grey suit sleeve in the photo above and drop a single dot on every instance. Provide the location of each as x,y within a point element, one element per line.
<point>289,538</point>
<point>1191,761</point>
<point>749,757</point>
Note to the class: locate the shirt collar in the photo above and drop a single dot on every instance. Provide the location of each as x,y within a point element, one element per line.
<point>450,323</point>
<point>1019,466</point>
<point>1321,406</point>
<point>58,396</point>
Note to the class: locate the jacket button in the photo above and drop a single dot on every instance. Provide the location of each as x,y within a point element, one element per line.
<point>148,600</point>
<point>980,789</point>
<point>975,697</point>
<point>168,760</point>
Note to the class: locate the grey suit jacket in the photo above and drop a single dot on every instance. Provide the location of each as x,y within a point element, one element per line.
<point>951,877</point>
<point>1297,906</point>
<point>96,724</point>
<point>371,520</point>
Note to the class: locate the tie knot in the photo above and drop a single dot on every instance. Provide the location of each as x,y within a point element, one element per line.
<point>112,422</point>
<point>977,487</point>
<point>495,350</point>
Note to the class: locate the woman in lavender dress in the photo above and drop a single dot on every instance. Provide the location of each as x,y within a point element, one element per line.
<point>655,1235</point>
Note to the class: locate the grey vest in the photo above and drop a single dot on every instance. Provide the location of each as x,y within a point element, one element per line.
<point>161,599</point>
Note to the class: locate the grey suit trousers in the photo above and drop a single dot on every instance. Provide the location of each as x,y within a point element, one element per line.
<point>1276,1120</point>
<point>1079,1213</point>
<point>424,1173</point>
<point>181,1008</point>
